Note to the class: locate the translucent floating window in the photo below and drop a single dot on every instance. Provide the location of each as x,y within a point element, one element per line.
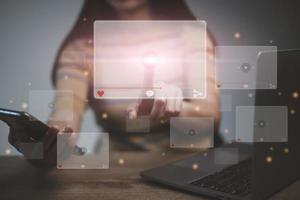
<point>42,104</point>
<point>134,59</point>
<point>246,67</point>
<point>226,103</point>
<point>81,154</point>
<point>191,132</point>
<point>261,124</point>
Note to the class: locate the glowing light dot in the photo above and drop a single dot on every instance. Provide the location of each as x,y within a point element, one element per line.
<point>84,19</point>
<point>226,130</point>
<point>269,159</point>
<point>86,73</point>
<point>150,59</point>
<point>191,145</point>
<point>121,161</point>
<point>271,148</point>
<point>197,108</point>
<point>271,41</point>
<point>250,95</point>
<point>104,115</point>
<point>11,101</point>
<point>82,166</point>
<point>7,151</point>
<point>195,166</point>
<point>295,95</point>
<point>29,84</point>
<point>279,93</point>
<point>245,85</point>
<point>205,154</point>
<point>292,111</point>
<point>286,150</point>
<point>163,154</point>
<point>237,35</point>
<point>24,106</point>
<point>66,77</point>
<point>90,41</point>
<point>162,121</point>
<point>261,139</point>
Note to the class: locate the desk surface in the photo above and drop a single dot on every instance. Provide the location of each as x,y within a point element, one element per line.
<point>20,180</point>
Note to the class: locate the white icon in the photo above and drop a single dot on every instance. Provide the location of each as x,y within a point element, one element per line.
<point>149,93</point>
<point>192,132</point>
<point>245,86</point>
<point>245,67</point>
<point>197,93</point>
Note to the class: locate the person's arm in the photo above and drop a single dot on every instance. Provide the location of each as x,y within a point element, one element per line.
<point>72,82</point>
<point>70,99</point>
<point>72,85</point>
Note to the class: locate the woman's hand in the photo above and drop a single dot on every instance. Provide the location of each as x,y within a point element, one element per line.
<point>167,103</point>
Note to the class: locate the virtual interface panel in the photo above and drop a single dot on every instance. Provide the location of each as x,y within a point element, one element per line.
<point>140,59</point>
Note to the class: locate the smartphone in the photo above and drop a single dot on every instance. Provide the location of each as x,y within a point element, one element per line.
<point>19,119</point>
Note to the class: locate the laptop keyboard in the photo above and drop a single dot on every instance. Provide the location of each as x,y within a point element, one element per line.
<point>235,180</point>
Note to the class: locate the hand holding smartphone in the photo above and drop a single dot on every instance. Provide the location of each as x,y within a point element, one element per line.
<point>31,137</point>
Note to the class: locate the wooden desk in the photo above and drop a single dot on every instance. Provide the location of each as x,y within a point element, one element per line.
<point>19,180</point>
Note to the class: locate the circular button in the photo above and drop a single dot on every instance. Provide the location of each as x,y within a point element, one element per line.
<point>192,132</point>
<point>261,123</point>
<point>246,67</point>
<point>51,105</point>
<point>150,58</point>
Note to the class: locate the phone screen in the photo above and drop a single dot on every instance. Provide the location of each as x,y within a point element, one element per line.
<point>9,112</point>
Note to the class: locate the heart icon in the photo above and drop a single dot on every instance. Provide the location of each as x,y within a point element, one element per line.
<point>100,93</point>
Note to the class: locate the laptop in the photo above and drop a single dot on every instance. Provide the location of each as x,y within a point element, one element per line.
<point>248,170</point>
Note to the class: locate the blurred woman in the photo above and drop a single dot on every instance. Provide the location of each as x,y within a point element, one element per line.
<point>73,71</point>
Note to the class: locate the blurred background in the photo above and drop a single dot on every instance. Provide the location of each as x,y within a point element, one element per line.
<point>32,31</point>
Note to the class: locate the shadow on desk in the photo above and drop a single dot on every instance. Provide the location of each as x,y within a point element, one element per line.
<point>20,180</point>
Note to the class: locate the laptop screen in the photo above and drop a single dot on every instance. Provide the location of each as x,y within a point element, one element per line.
<point>276,159</point>
<point>240,71</point>
<point>267,118</point>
